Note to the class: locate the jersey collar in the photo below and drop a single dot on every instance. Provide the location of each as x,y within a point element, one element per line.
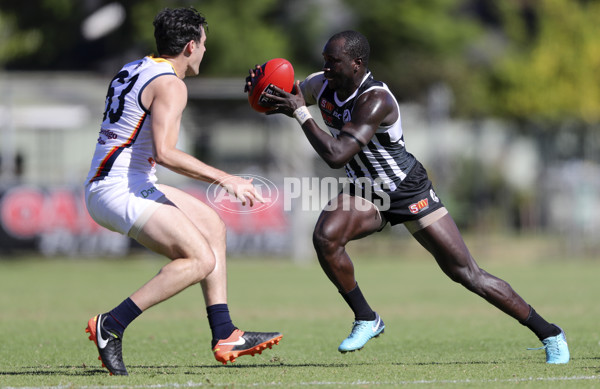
<point>353,95</point>
<point>159,59</point>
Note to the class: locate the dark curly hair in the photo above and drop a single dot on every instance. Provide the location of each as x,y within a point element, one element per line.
<point>174,28</point>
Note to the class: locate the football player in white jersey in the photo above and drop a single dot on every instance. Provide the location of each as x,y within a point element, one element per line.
<point>364,120</point>
<point>140,128</point>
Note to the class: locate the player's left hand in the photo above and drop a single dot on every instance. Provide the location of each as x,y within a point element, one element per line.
<point>242,189</point>
<point>253,74</point>
<point>284,102</point>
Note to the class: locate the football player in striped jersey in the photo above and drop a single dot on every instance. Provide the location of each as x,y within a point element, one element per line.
<point>388,185</point>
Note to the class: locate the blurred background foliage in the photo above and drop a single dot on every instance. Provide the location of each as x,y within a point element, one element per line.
<point>509,92</point>
<point>526,60</point>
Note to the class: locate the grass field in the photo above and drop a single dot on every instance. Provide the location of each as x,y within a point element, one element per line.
<point>437,334</point>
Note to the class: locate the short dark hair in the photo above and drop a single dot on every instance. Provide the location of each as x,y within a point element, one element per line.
<point>174,28</point>
<point>356,44</point>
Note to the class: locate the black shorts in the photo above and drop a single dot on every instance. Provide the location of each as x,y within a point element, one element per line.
<point>412,200</point>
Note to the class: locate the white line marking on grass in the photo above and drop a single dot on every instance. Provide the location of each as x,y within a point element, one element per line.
<point>315,383</point>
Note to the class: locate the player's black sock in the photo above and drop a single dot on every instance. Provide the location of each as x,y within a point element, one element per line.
<point>119,318</point>
<point>357,302</point>
<point>220,322</point>
<point>539,326</point>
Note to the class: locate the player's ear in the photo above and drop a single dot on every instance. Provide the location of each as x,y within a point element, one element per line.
<point>357,63</point>
<point>189,48</point>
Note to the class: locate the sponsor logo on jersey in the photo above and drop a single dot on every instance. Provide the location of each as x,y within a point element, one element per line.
<point>419,206</point>
<point>147,192</point>
<point>108,134</point>
<point>347,116</point>
<point>326,106</point>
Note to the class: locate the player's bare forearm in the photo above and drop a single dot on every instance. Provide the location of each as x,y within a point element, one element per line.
<point>185,164</point>
<point>336,152</point>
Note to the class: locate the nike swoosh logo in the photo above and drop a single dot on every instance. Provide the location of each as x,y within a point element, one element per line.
<point>238,342</point>
<point>101,341</point>
<point>374,328</point>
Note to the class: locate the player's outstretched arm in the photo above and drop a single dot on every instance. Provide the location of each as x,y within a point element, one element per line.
<point>169,98</point>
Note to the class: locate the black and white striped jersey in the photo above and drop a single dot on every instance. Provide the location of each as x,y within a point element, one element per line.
<point>384,161</point>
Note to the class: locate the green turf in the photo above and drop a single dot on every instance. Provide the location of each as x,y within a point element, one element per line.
<point>437,334</point>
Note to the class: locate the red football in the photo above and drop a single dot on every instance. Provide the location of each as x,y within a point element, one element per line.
<point>277,71</point>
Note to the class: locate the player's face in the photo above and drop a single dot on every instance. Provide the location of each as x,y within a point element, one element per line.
<point>196,56</point>
<point>338,67</point>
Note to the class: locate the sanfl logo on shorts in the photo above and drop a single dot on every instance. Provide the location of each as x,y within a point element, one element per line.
<point>434,196</point>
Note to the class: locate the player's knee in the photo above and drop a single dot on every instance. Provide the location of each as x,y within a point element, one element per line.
<point>319,242</point>
<point>324,241</point>
<point>200,268</point>
<point>190,269</point>
<point>470,278</point>
<point>198,265</point>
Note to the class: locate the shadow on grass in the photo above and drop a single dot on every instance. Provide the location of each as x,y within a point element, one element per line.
<point>435,363</point>
<point>84,371</point>
<point>191,369</point>
<point>53,371</point>
<point>162,369</point>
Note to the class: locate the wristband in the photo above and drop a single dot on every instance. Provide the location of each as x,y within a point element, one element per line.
<point>302,115</point>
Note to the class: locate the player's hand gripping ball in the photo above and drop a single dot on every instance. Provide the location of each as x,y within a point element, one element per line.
<point>278,72</point>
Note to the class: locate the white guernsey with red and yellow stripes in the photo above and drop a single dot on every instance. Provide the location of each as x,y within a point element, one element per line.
<point>124,145</point>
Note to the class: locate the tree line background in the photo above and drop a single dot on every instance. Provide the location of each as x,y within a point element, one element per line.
<point>531,65</point>
<point>527,60</point>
